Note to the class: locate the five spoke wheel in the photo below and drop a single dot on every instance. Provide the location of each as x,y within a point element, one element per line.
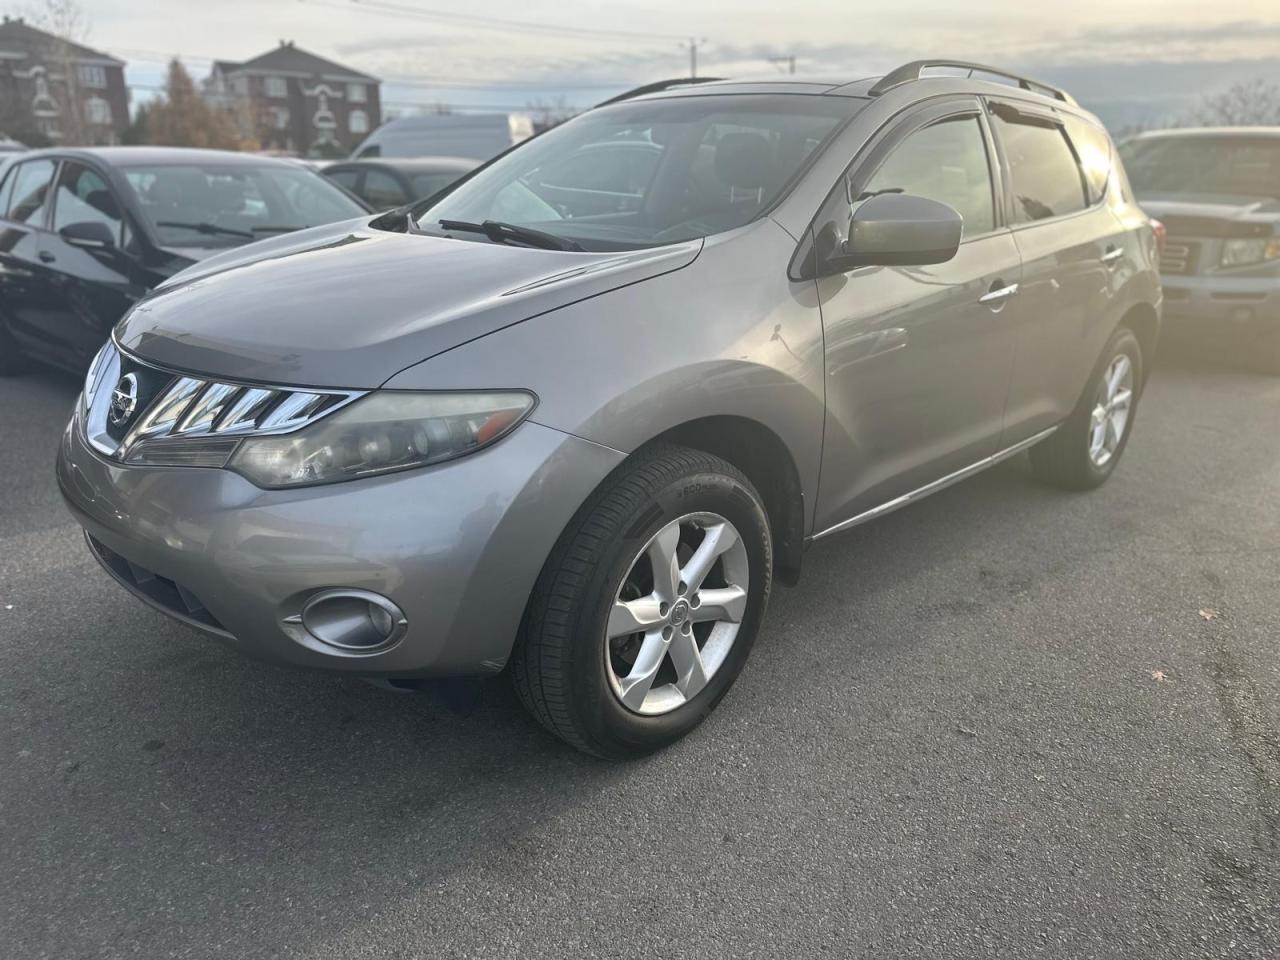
<point>1111,410</point>
<point>677,613</point>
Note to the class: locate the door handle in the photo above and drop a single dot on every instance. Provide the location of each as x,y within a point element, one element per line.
<point>999,294</point>
<point>46,257</point>
<point>1112,255</point>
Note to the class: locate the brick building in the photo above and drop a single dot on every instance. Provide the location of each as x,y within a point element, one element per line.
<point>294,101</point>
<point>53,91</point>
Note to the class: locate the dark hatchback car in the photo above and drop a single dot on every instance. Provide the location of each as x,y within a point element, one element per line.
<point>386,184</point>
<point>84,234</point>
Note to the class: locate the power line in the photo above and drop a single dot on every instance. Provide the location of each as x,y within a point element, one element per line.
<point>405,11</point>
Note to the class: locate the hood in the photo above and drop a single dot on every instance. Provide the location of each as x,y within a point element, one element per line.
<point>350,306</point>
<point>1221,207</point>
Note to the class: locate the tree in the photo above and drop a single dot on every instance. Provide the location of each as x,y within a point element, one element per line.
<point>1248,104</point>
<point>66,21</point>
<point>181,117</point>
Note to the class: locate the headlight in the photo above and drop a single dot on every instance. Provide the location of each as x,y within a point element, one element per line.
<point>381,433</point>
<point>1241,253</point>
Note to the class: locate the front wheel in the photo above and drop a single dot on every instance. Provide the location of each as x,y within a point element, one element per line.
<point>1086,448</point>
<point>647,608</point>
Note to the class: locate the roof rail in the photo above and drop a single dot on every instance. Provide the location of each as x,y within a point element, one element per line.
<point>909,72</point>
<point>657,87</point>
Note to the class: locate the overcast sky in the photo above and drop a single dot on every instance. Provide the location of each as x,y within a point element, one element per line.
<point>581,50</point>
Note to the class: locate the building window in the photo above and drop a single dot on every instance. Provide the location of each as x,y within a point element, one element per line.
<point>358,121</point>
<point>275,87</point>
<point>356,92</point>
<point>280,117</point>
<point>97,110</point>
<point>92,76</point>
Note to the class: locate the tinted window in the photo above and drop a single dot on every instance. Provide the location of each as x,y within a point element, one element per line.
<point>429,184</point>
<point>83,197</point>
<point>383,190</point>
<point>30,191</point>
<point>718,162</point>
<point>1240,166</point>
<point>344,178</point>
<point>223,205</point>
<point>1093,147</point>
<point>946,162</point>
<point>1046,178</point>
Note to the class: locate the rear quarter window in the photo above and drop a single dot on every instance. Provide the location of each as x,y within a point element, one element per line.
<point>1093,147</point>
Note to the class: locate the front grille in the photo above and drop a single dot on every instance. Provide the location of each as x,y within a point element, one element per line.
<point>1180,257</point>
<point>169,595</point>
<point>133,405</point>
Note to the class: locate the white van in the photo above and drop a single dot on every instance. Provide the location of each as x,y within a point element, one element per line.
<point>474,136</point>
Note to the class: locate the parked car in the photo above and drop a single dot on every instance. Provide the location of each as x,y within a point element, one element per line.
<point>84,234</point>
<point>492,433</point>
<point>478,136</point>
<point>8,146</point>
<point>1217,190</point>
<point>385,184</point>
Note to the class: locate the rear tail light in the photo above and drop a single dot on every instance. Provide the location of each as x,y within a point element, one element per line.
<point>1161,233</point>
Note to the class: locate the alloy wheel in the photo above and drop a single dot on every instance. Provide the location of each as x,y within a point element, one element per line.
<point>1111,410</point>
<point>677,613</point>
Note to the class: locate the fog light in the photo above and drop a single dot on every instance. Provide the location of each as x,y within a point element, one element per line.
<point>355,620</point>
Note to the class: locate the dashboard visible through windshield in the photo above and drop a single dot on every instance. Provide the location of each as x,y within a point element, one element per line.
<point>648,173</point>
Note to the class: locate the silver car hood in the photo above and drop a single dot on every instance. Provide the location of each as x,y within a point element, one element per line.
<point>350,306</point>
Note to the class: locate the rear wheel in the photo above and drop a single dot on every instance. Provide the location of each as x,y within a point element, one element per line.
<point>647,608</point>
<point>1086,448</point>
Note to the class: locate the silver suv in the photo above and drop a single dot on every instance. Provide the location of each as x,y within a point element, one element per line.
<point>571,419</point>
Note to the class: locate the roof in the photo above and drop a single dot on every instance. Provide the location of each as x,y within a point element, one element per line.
<point>1210,132</point>
<point>14,31</point>
<point>128,156</point>
<point>288,58</point>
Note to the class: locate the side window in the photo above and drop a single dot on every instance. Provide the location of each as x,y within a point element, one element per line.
<point>6,189</point>
<point>946,161</point>
<point>82,196</point>
<point>1093,147</point>
<point>382,190</point>
<point>31,191</point>
<point>344,178</point>
<point>1047,181</point>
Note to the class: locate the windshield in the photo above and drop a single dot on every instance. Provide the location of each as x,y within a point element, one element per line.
<point>1240,166</point>
<point>649,173</point>
<point>225,205</point>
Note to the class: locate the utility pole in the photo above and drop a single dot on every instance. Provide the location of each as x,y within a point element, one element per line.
<point>692,44</point>
<point>790,61</point>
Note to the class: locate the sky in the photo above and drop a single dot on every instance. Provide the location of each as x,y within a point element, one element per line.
<point>1122,54</point>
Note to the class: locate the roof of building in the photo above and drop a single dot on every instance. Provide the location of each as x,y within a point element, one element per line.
<point>288,58</point>
<point>17,32</point>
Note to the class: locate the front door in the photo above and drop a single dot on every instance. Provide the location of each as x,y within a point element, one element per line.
<point>918,359</point>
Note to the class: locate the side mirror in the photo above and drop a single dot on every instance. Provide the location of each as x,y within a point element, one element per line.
<point>90,235</point>
<point>891,229</point>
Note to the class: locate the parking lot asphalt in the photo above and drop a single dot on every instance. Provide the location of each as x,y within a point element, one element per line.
<point>1005,722</point>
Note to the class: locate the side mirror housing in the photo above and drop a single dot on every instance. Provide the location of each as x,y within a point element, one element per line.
<point>892,229</point>
<point>90,235</point>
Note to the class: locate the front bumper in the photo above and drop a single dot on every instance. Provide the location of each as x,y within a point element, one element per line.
<point>457,546</point>
<point>1230,309</point>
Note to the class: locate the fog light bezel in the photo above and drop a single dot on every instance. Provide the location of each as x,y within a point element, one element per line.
<point>322,630</point>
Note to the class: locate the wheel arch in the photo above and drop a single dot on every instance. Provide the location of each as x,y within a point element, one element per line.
<point>1144,320</point>
<point>762,455</point>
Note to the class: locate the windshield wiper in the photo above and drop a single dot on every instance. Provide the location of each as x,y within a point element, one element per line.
<point>500,232</point>
<point>204,227</point>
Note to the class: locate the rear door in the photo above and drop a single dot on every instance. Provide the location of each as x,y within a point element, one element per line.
<point>26,279</point>
<point>92,287</point>
<point>918,358</point>
<point>1074,258</point>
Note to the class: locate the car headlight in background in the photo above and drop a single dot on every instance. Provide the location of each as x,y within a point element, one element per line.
<point>1242,253</point>
<point>381,433</point>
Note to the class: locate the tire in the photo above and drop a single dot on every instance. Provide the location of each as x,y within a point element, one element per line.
<point>1067,458</point>
<point>566,669</point>
<point>12,360</point>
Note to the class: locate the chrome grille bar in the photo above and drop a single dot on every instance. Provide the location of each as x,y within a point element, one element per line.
<point>199,418</point>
